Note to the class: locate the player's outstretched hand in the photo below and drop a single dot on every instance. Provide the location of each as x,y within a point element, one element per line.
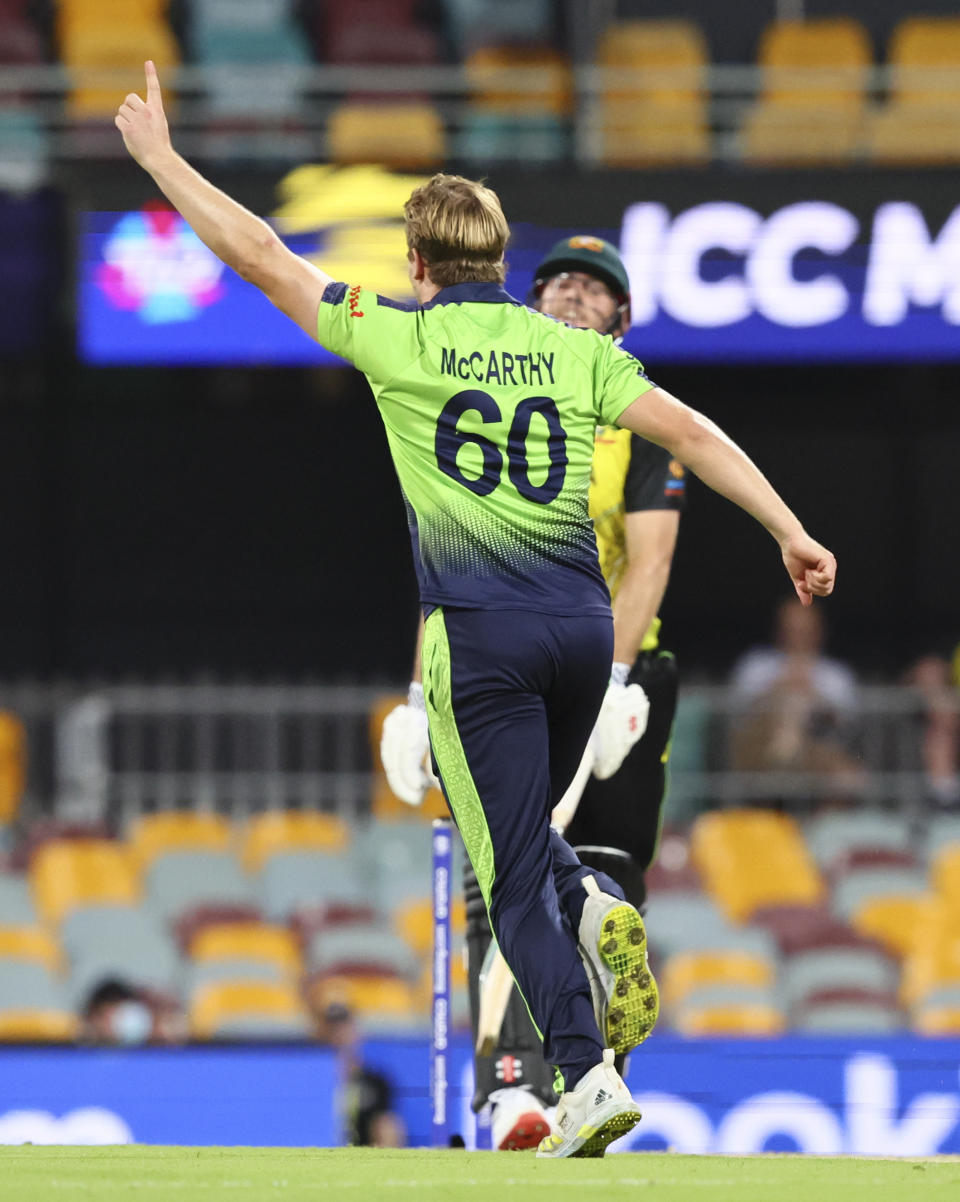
<point>143,123</point>
<point>812,568</point>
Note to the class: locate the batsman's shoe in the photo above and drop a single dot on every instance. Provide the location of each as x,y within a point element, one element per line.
<point>519,1120</point>
<point>613,947</point>
<point>597,1112</point>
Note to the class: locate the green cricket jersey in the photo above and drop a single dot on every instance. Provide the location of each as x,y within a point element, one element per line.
<point>490,410</point>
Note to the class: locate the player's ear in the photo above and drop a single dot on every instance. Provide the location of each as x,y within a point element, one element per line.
<point>418,264</point>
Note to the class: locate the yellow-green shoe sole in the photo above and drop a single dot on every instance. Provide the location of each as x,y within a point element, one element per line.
<point>634,1003</point>
<point>612,1129</point>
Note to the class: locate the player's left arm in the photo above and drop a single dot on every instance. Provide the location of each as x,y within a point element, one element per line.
<point>651,537</point>
<point>704,448</point>
<point>237,237</point>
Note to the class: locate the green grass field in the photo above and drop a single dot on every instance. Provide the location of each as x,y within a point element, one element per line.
<point>42,1174</point>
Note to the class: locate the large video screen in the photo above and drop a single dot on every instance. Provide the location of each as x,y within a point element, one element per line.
<point>719,281</point>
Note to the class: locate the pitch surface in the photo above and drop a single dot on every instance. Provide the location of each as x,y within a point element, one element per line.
<point>44,1174</point>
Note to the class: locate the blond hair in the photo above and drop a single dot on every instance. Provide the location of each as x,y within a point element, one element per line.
<point>458,227</point>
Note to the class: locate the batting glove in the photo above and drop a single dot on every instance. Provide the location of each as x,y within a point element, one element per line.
<point>405,749</point>
<point>622,721</point>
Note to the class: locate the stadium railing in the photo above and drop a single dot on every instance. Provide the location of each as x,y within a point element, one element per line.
<point>300,131</point>
<point>106,752</point>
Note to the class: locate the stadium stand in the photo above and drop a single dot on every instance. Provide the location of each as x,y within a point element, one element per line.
<point>811,107</point>
<point>655,113</point>
<point>247,1010</point>
<point>920,124</point>
<point>177,830</point>
<point>179,881</point>
<point>66,875</point>
<point>278,831</point>
<point>294,882</point>
<point>754,858</point>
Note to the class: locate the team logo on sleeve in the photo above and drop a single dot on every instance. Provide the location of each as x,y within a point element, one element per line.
<point>677,482</point>
<point>353,299</point>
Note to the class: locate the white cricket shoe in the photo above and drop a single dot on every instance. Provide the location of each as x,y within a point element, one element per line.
<point>597,1112</point>
<point>519,1120</point>
<point>613,947</point>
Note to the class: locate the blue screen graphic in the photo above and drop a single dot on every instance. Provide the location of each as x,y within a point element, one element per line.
<point>718,282</point>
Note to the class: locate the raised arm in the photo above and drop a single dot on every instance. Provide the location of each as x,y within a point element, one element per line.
<point>241,240</point>
<point>704,448</point>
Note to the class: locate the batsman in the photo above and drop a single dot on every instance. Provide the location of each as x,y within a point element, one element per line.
<point>613,810</point>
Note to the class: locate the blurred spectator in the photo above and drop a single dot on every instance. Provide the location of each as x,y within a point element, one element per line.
<point>117,1013</point>
<point>793,706</point>
<point>365,1100</point>
<point>932,677</point>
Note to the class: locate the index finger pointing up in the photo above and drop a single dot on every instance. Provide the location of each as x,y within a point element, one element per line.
<point>153,84</point>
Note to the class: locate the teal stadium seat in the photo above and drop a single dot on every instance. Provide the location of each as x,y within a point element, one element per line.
<point>292,881</point>
<point>16,902</point>
<point>183,880</point>
<point>502,138</point>
<point>24,149</point>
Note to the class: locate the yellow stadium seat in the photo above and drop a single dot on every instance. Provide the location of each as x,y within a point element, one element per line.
<point>384,802</point>
<point>945,875</point>
<point>934,958</point>
<point>68,873</point>
<point>291,830</point>
<point>519,80</point>
<point>687,971</point>
<point>743,1019</point>
<point>414,921</point>
<point>777,135</point>
<point>660,63</point>
<point>40,1026</point>
<point>221,1001</point>
<point>651,108</point>
<point>177,830</point>
<point>937,1020</point>
<point>30,943</point>
<point>924,54</point>
<point>893,920</point>
<point>74,13</point>
<point>400,134</point>
<point>13,765</point>
<point>753,858</point>
<point>375,996</point>
<point>105,62</point>
<point>815,64</point>
<point>259,941</point>
<point>914,135</point>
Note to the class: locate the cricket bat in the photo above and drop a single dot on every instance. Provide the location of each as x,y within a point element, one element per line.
<point>496,979</point>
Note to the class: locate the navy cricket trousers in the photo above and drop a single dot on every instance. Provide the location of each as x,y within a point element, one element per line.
<point>512,698</point>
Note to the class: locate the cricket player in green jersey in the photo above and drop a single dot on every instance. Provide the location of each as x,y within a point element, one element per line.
<point>490,410</point>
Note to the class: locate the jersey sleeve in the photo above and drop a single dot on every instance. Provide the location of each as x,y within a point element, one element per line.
<point>654,479</point>
<point>379,336</point>
<point>619,379</point>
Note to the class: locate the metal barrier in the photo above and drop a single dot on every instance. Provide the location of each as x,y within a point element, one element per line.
<point>297,131</point>
<point>114,751</point>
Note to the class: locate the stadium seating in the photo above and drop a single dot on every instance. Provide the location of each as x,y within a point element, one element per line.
<point>694,978</point>
<point>520,98</point>
<point>68,874</point>
<point>29,943</point>
<point>293,881</point>
<point>472,23</point>
<point>414,922</point>
<point>748,1019</point>
<point>182,880</point>
<point>177,830</point>
<point>29,984</point>
<point>105,56</point>
<point>920,124</point>
<point>253,943</point>
<point>279,831</point>
<point>688,922</point>
<point>892,920</point>
<point>13,739</point>
<point>247,1010</point>
<point>832,836</point>
<point>753,858</point>
<point>395,858</point>
<point>378,1001</point>
<point>124,942</point>
<point>811,108</point>
<point>823,969</point>
<point>856,888</point>
<point>37,1026</point>
<point>16,900</point>
<point>654,109</point>
<point>408,135</point>
<point>358,949</point>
